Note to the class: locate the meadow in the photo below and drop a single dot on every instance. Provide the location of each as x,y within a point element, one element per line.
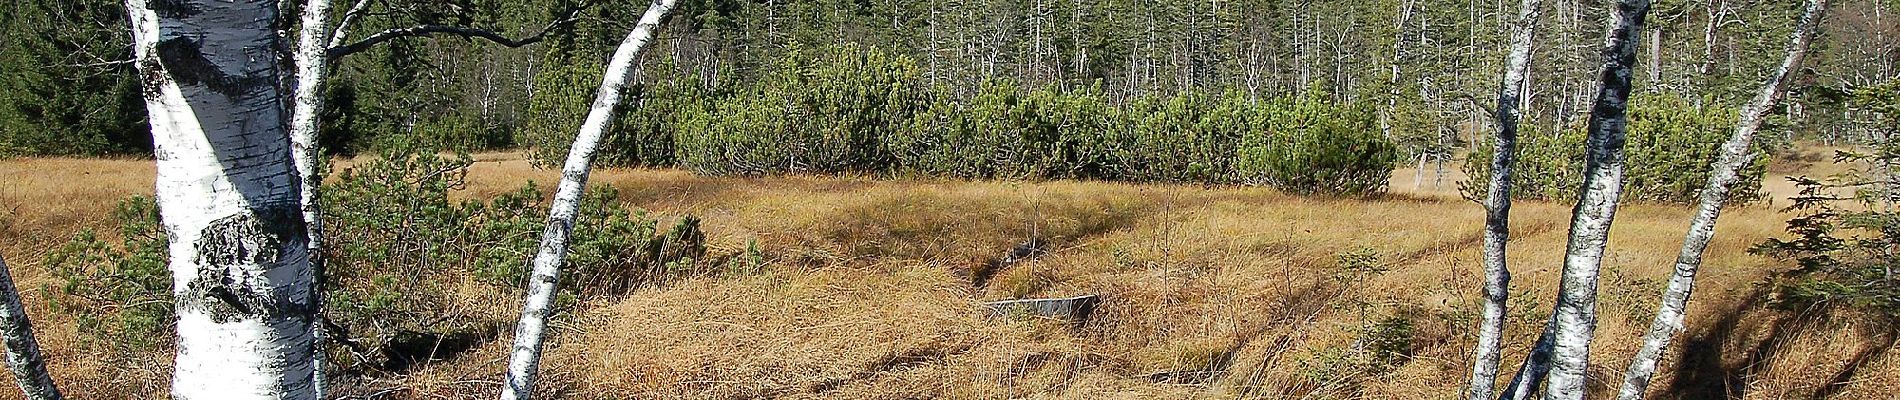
<point>872,289</point>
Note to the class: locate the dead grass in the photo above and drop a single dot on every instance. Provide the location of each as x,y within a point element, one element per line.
<point>868,293</point>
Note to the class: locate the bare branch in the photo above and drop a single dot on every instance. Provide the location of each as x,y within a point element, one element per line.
<point>1475,104</point>
<point>568,17</point>
<point>343,26</point>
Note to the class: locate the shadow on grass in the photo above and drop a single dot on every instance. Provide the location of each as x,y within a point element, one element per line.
<point>1702,371</point>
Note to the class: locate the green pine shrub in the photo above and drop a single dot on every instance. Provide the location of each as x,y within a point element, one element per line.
<point>1549,165</point>
<point>397,249</point>
<point>1308,146</point>
<point>1670,147</point>
<point>819,112</point>
<point>119,290</point>
<point>560,103</point>
<point>861,110</point>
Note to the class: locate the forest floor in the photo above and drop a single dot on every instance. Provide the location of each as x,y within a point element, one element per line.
<point>873,289</point>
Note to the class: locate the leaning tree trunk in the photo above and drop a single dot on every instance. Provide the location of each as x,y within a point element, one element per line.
<point>1536,366</point>
<point>1497,204</point>
<point>525,358</point>
<point>306,103</point>
<point>1723,174</point>
<point>228,197</point>
<point>23,351</point>
<point>1575,316</point>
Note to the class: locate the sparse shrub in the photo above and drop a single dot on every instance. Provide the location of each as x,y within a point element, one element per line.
<point>1844,258</point>
<point>1378,348</point>
<point>120,293</point>
<point>1360,261</point>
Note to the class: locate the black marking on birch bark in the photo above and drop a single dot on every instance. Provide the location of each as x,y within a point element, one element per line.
<point>152,74</point>
<point>239,244</point>
<point>173,9</point>
<point>185,61</point>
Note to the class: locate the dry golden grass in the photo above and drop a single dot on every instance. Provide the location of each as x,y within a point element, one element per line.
<point>1219,293</point>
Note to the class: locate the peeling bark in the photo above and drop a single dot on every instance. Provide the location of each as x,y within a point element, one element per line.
<point>1575,316</point>
<point>23,350</point>
<point>525,356</point>
<point>1723,174</point>
<point>228,197</point>
<point>1497,220</point>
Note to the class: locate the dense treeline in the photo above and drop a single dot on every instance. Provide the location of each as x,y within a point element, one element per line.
<point>1419,68</point>
<point>863,110</point>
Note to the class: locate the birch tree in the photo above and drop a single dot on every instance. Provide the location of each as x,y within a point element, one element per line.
<point>317,46</point>
<point>228,198</point>
<point>525,356</point>
<point>1575,318</point>
<point>1723,174</point>
<point>23,350</point>
<point>307,101</point>
<point>1497,218</point>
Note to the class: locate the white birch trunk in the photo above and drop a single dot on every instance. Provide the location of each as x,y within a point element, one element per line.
<point>228,197</point>
<point>1724,173</point>
<point>525,358</point>
<point>1590,221</point>
<point>306,103</point>
<point>23,350</point>
<point>1497,220</point>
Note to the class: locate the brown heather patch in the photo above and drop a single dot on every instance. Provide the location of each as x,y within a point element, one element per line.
<point>1209,293</point>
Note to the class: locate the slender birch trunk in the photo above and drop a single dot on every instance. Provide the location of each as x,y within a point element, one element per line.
<point>525,358</point>
<point>306,103</point>
<point>1536,367</point>
<point>1497,218</point>
<point>23,350</point>
<point>1722,175</point>
<point>228,197</point>
<point>1596,207</point>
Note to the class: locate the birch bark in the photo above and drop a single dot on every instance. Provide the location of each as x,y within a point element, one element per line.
<point>1723,174</point>
<point>1497,220</point>
<point>525,356</point>
<point>1536,366</point>
<point>306,103</point>
<point>228,197</point>
<point>23,350</point>
<point>1590,221</point>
